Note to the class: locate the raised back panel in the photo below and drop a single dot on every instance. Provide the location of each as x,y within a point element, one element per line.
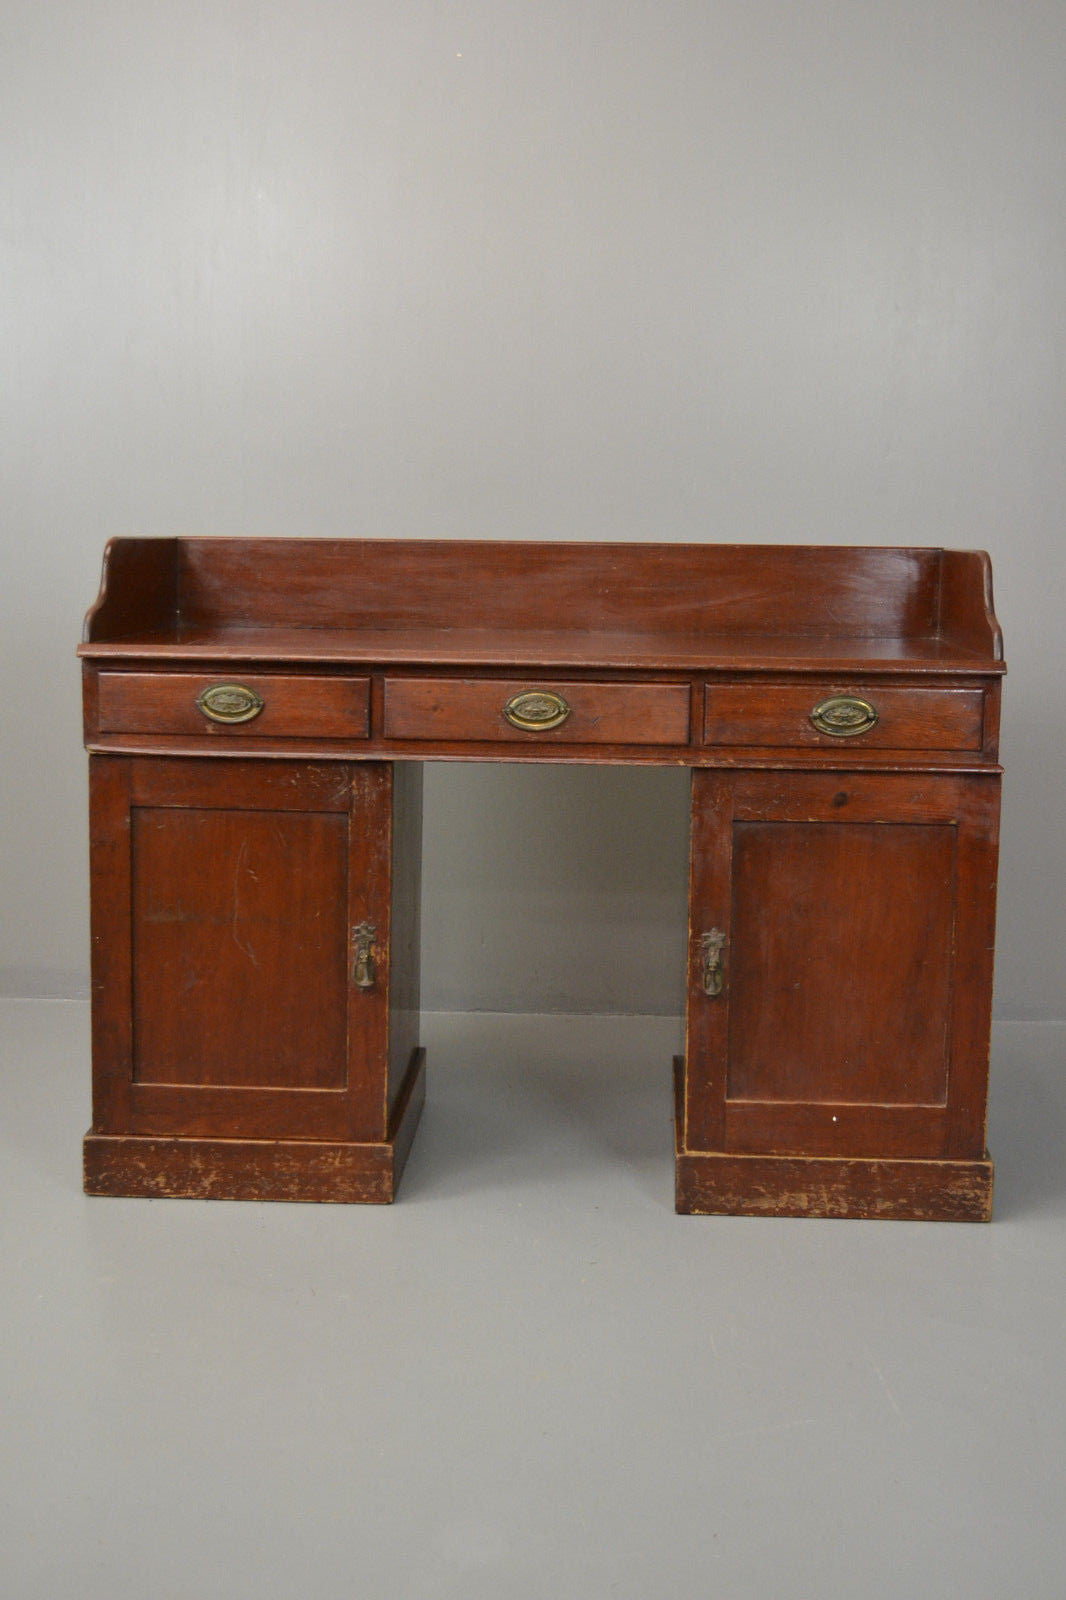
<point>239,947</point>
<point>702,589</point>
<point>843,935</point>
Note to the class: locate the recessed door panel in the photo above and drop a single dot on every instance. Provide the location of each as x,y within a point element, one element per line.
<point>246,908</point>
<point>239,947</point>
<point>842,940</point>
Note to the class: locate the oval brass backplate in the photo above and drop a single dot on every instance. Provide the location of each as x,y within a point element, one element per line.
<point>843,716</point>
<point>536,710</point>
<point>229,702</point>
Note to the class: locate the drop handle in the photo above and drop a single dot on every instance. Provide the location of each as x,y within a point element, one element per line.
<point>363,974</point>
<point>712,974</point>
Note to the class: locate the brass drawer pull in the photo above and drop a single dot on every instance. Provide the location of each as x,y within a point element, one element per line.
<point>363,955</point>
<point>229,702</point>
<point>843,716</point>
<point>536,710</point>
<point>712,980</point>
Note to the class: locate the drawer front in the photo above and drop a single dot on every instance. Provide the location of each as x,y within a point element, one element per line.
<point>786,715</point>
<point>524,710</point>
<point>199,703</point>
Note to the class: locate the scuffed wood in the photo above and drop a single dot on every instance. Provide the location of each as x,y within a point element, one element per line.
<point>710,1183</point>
<point>819,1186</point>
<point>251,1169</point>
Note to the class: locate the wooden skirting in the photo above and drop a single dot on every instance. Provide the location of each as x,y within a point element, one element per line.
<point>830,1186</point>
<point>259,1169</point>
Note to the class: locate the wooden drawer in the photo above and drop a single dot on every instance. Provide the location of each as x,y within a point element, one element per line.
<point>291,707</point>
<point>476,709</point>
<point>773,714</point>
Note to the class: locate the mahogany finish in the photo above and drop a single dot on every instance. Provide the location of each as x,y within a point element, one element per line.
<point>239,905</point>
<point>600,713</point>
<point>570,649</point>
<point>256,918</point>
<point>780,714</point>
<point>293,707</point>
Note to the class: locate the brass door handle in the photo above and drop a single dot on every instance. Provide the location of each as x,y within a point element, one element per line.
<point>229,702</point>
<point>843,716</point>
<point>712,977</point>
<point>536,710</point>
<point>363,974</point>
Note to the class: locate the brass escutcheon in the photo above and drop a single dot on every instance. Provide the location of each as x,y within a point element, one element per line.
<point>843,716</point>
<point>229,702</point>
<point>536,710</point>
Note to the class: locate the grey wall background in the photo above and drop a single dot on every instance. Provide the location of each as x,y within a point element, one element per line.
<point>726,271</point>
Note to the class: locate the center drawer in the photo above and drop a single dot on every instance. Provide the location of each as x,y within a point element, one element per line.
<point>256,705</point>
<point>522,709</point>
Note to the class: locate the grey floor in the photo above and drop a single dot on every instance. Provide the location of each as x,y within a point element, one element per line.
<point>529,1377</point>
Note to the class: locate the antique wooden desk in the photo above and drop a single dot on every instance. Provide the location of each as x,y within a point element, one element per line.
<point>257,712</point>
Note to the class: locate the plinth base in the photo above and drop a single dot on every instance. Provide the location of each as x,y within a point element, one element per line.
<point>259,1169</point>
<point>827,1186</point>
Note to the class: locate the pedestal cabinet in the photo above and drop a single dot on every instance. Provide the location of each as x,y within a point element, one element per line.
<point>257,713</point>
<point>839,986</point>
<point>250,1035</point>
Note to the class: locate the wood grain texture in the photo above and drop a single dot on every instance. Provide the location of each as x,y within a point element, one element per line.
<point>857,911</point>
<point>780,714</point>
<point>689,588</point>
<point>369,901</point>
<point>521,604</point>
<point>817,1186</point>
<point>138,590</point>
<point>405,996</point>
<point>718,757</point>
<point>226,897</point>
<point>305,707</point>
<point>240,938</point>
<point>971,1001</point>
<point>227,1111</point>
<point>473,708</point>
<point>110,932</point>
<point>824,1127</point>
<point>244,784</point>
<point>843,936</point>
<point>226,645</point>
<point>883,1189</point>
<point>249,1169</point>
<point>966,611</point>
<point>710,905</point>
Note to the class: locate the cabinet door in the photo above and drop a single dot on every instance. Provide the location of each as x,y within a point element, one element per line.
<point>841,963</point>
<point>231,994</point>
